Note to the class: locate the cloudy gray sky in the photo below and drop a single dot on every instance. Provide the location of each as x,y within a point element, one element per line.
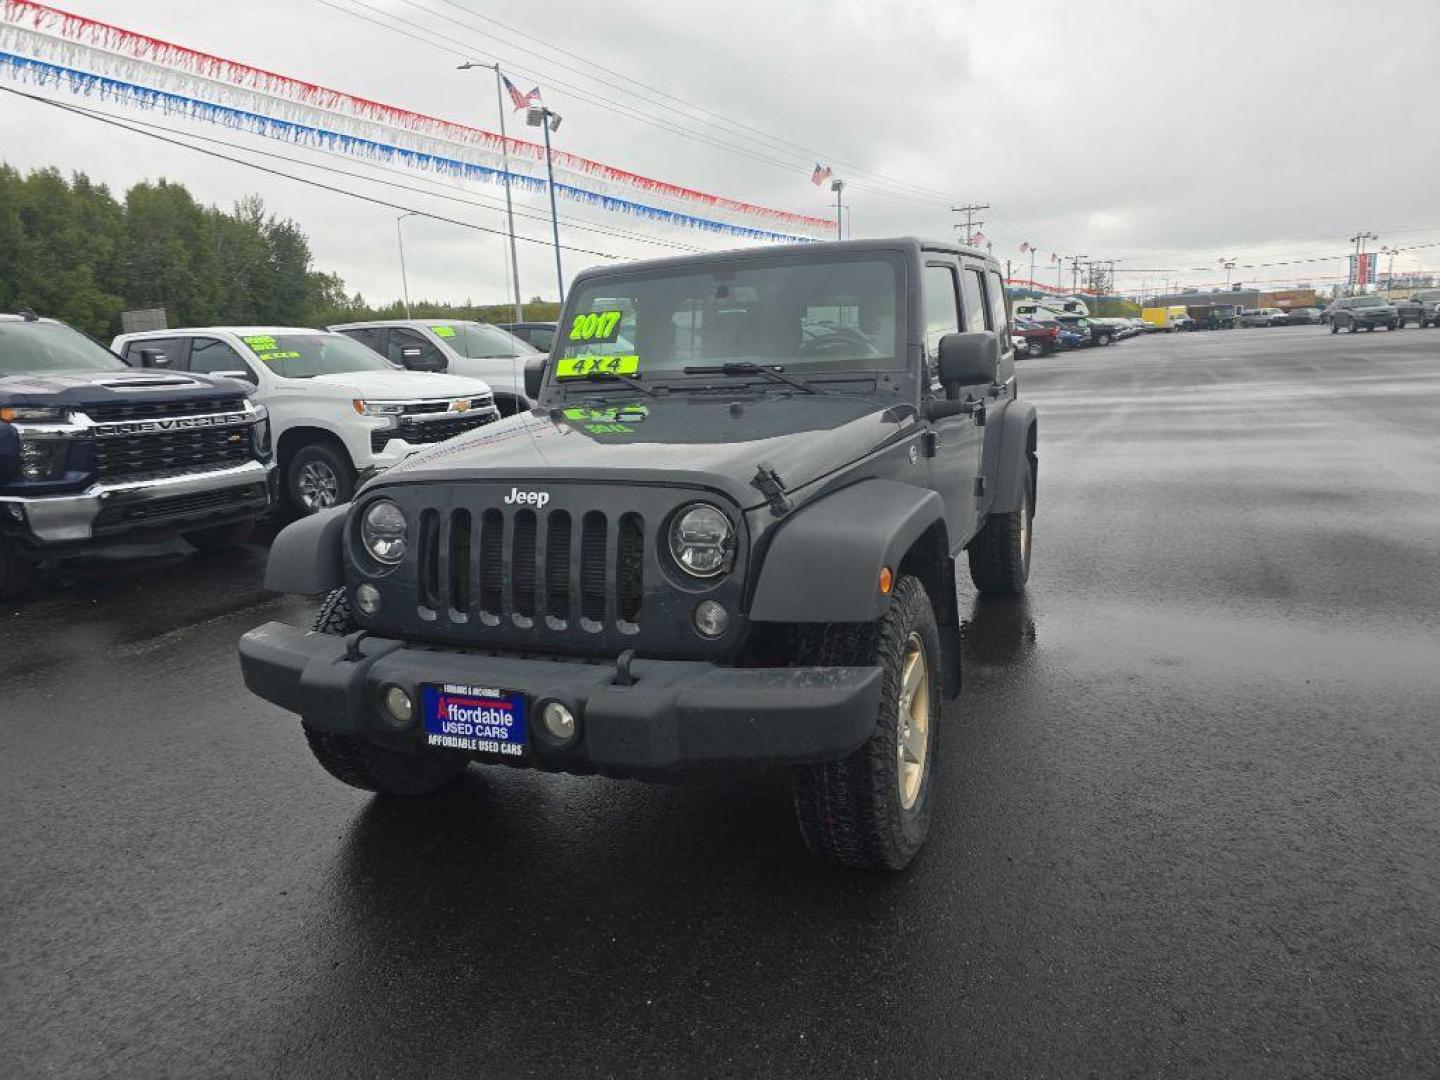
<point>1166,138</point>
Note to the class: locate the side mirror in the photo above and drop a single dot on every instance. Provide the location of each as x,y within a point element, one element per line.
<point>153,358</point>
<point>242,376</point>
<point>534,375</point>
<point>967,359</point>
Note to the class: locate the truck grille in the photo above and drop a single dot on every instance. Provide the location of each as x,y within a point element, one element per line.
<point>432,431</point>
<point>137,457</point>
<point>155,410</point>
<point>515,566</point>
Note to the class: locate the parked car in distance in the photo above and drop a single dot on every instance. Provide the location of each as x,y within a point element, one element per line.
<point>94,452</point>
<point>539,335</point>
<point>1170,319</point>
<point>1429,299</point>
<point>1072,337</point>
<point>1354,312</point>
<point>455,347</point>
<point>1214,316</point>
<point>1303,316</point>
<point>339,411</point>
<point>1040,339</point>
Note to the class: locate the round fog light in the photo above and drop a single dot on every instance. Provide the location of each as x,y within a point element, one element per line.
<point>711,619</point>
<point>398,707</point>
<point>367,599</point>
<point>559,721</point>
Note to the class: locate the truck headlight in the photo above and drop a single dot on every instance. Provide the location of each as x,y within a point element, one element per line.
<point>384,531</point>
<point>378,408</point>
<point>43,459</point>
<point>18,413</point>
<point>702,540</point>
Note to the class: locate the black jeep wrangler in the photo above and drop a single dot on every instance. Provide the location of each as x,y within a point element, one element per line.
<point>724,538</point>
<point>94,452</point>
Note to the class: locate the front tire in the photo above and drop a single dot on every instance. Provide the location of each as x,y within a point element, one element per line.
<point>1334,327</point>
<point>1034,349</point>
<point>221,537</point>
<point>872,809</point>
<point>358,762</point>
<point>1000,553</point>
<point>317,477</point>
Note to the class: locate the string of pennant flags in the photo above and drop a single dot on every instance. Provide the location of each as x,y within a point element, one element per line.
<point>46,46</point>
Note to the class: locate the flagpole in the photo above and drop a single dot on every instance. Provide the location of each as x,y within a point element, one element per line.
<point>505,159</point>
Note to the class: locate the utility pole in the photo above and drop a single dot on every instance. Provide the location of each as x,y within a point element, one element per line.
<point>1075,270</point>
<point>970,211</point>
<point>400,240</point>
<point>838,187</point>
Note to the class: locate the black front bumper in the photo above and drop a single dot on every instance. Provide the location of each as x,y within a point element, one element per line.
<point>676,716</point>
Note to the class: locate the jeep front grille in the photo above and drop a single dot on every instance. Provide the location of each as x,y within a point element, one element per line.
<point>514,566</point>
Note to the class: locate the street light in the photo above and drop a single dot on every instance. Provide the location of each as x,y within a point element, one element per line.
<point>505,160</point>
<point>1229,265</point>
<point>400,239</point>
<point>838,187</point>
<point>548,121</point>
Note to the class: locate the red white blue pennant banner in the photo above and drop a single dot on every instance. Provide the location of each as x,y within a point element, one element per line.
<point>75,42</point>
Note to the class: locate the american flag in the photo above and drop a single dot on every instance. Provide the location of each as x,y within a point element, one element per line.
<point>821,174</point>
<point>518,99</point>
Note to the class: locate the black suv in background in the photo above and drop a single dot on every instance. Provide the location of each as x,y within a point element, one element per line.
<point>1354,312</point>
<point>93,451</point>
<point>538,335</point>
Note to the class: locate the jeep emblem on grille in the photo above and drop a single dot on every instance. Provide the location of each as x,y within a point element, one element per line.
<point>537,499</point>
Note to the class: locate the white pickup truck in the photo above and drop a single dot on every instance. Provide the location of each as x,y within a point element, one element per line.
<point>457,346</point>
<point>338,411</point>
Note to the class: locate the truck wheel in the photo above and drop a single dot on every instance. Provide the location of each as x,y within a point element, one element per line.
<point>15,571</point>
<point>1103,339</point>
<point>1000,552</point>
<point>873,808</point>
<point>359,762</point>
<point>1334,327</point>
<point>1353,327</point>
<point>318,477</point>
<point>221,537</point>
<point>1034,349</point>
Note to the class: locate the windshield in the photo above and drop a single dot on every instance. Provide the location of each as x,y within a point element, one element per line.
<point>480,341</point>
<point>29,347</point>
<point>1426,295</point>
<point>1369,301</point>
<point>810,314</point>
<point>304,356</point>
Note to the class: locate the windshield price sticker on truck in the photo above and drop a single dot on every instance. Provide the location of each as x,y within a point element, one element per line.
<point>577,367</point>
<point>443,331</point>
<point>269,356</point>
<point>596,327</point>
<point>260,343</point>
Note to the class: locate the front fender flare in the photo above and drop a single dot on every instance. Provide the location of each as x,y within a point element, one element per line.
<point>1007,445</point>
<point>824,562</point>
<point>306,557</point>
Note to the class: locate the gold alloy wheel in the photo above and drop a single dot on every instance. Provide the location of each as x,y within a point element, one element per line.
<point>912,727</point>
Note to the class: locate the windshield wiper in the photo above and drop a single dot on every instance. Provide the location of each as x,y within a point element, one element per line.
<point>749,367</point>
<point>611,376</point>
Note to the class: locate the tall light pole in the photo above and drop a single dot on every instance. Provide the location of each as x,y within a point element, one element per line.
<point>547,121</point>
<point>838,187</point>
<point>400,239</point>
<point>505,160</point>
<point>1229,265</point>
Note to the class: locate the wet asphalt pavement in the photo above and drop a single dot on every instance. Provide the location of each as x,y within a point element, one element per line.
<point>1189,817</point>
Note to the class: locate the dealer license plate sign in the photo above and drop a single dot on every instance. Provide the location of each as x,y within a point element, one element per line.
<point>481,719</point>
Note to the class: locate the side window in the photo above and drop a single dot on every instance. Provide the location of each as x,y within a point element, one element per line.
<point>999,315</point>
<point>209,355</point>
<point>542,337</point>
<point>372,337</point>
<point>942,311</point>
<point>413,351</point>
<point>158,352</point>
<point>973,300</point>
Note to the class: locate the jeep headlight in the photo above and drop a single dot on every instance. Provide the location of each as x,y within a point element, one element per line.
<point>702,541</point>
<point>383,531</point>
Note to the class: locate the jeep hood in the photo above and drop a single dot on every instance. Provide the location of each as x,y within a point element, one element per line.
<point>704,440</point>
<point>76,389</point>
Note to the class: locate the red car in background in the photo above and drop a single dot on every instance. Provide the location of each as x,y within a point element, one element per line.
<point>1036,338</point>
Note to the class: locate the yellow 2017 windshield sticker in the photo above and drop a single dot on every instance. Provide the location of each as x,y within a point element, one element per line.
<point>577,367</point>
<point>596,327</point>
<point>260,343</point>
<point>443,331</point>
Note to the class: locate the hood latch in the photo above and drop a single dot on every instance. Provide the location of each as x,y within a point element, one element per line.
<point>767,481</point>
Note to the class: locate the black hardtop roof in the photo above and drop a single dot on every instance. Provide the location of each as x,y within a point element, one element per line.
<point>907,244</point>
